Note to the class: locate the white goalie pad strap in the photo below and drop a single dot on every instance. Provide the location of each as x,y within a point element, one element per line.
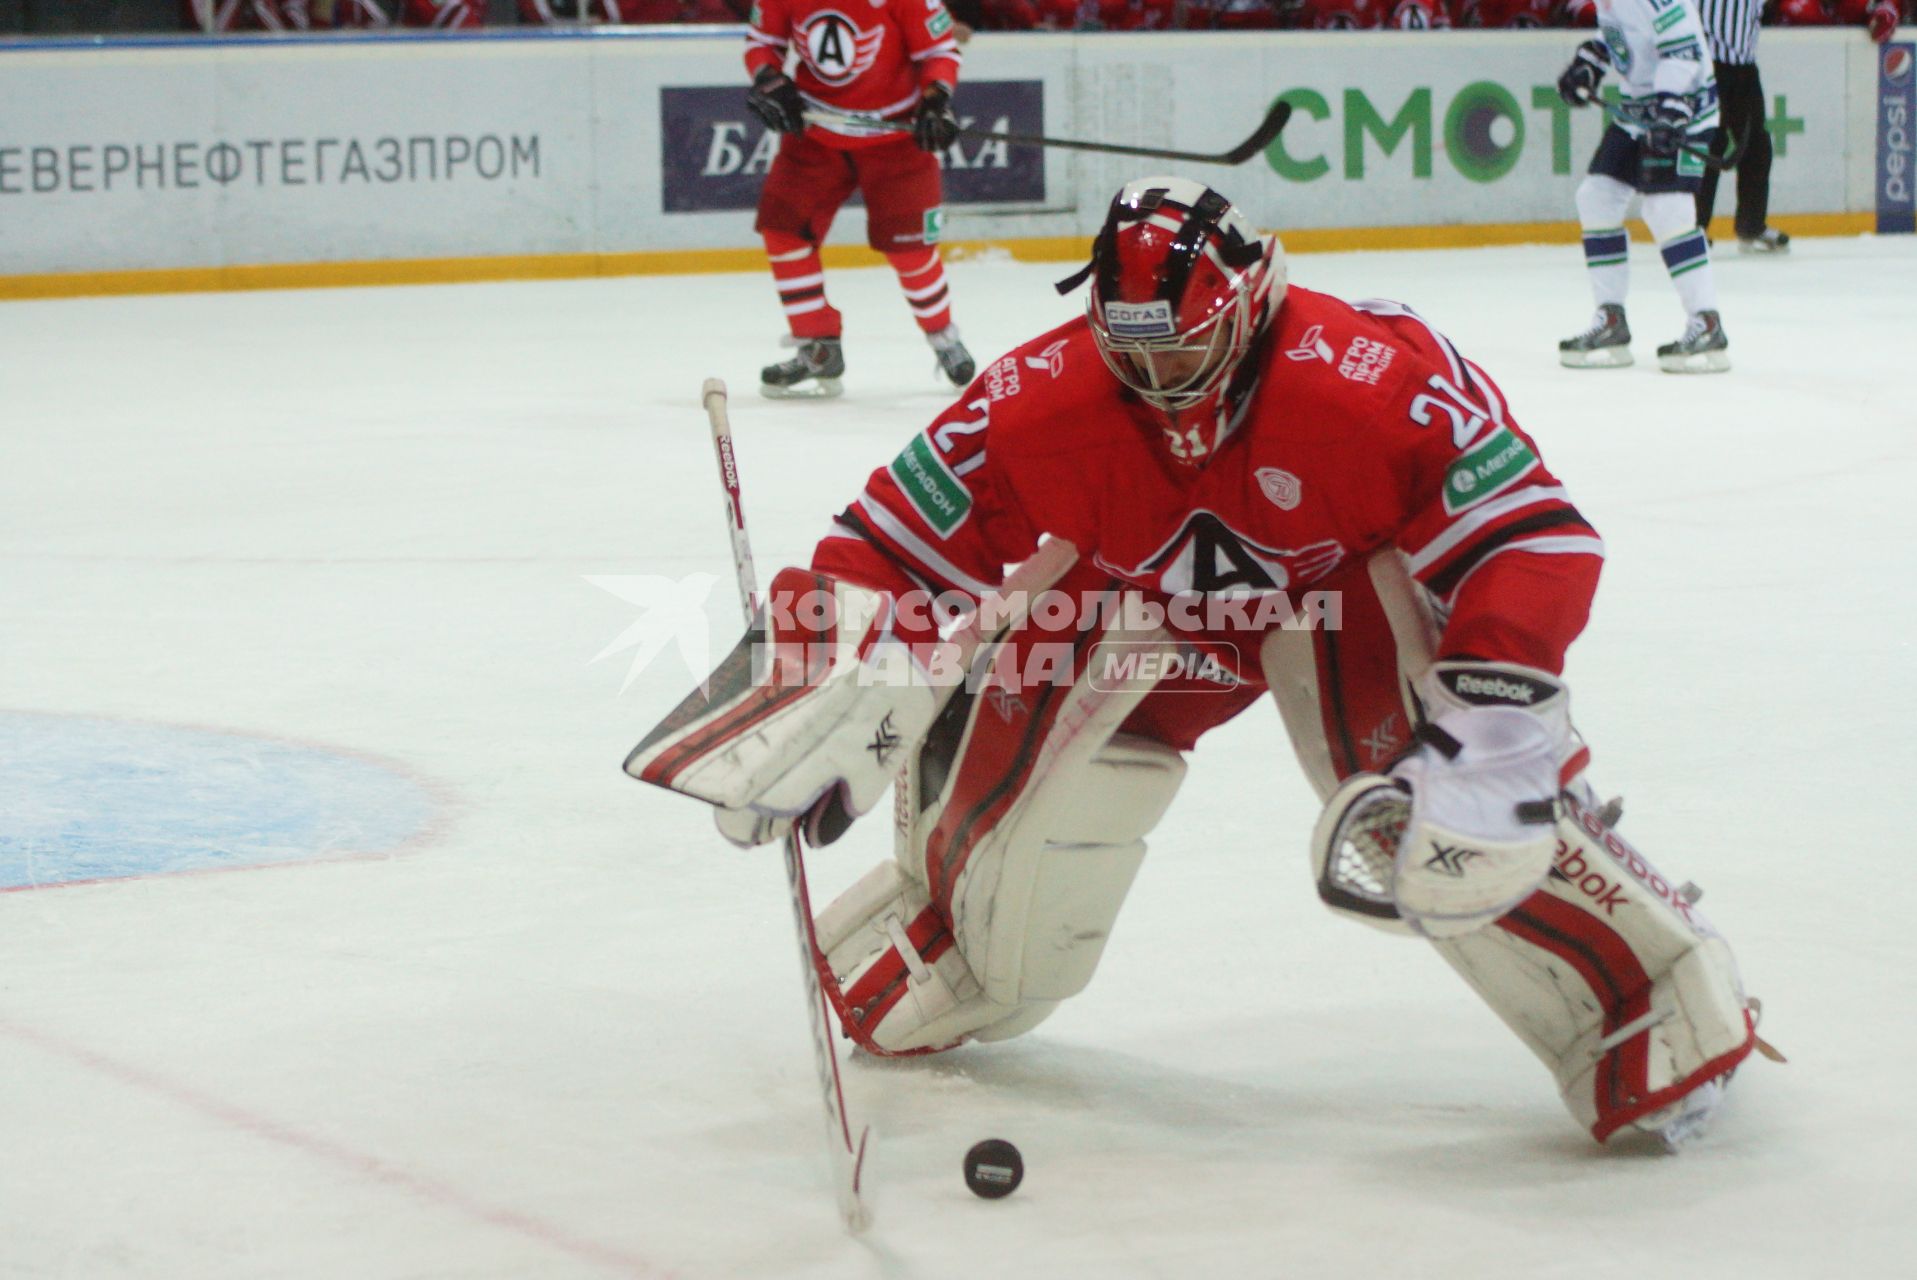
<point>1614,979</point>
<point>898,982</point>
<point>837,706</point>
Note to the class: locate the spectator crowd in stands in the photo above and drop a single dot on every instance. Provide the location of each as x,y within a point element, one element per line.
<point>1881,17</point>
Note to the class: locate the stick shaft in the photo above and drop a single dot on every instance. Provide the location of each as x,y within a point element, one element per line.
<point>848,1156</point>
<point>1261,138</point>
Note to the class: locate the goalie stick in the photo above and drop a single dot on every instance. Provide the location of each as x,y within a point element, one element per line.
<point>997,611</point>
<point>1261,137</point>
<point>848,1156</point>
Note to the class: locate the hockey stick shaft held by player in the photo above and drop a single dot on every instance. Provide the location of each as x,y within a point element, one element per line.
<point>848,1156</point>
<point>1719,164</point>
<point>1267,131</point>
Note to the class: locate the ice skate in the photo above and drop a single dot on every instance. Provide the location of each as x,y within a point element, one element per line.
<point>812,374</point>
<point>1605,345</point>
<point>1769,240</point>
<point>1684,1121</point>
<point>955,362</point>
<point>1702,349</point>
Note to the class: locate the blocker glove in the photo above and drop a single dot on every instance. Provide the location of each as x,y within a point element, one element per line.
<point>1463,827</point>
<point>1669,120</point>
<point>1578,85</point>
<point>935,127</point>
<point>775,100</point>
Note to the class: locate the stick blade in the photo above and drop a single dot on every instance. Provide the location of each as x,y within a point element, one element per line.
<point>1273,125</point>
<point>850,1174</point>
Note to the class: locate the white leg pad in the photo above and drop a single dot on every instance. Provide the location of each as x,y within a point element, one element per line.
<point>1615,981</point>
<point>903,987</point>
<point>1036,903</point>
<point>1033,909</point>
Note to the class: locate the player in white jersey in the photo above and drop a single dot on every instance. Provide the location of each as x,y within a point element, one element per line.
<point>1657,145</point>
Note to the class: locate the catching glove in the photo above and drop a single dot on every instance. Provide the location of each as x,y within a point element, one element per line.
<point>775,100</point>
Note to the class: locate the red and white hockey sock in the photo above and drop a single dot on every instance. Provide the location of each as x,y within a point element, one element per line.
<point>922,278</point>
<point>800,275</point>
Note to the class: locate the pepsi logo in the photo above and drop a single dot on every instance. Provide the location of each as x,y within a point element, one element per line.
<point>1897,63</point>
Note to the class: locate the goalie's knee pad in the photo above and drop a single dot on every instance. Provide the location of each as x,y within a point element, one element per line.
<point>1020,826</point>
<point>1035,909</point>
<point>1611,975</point>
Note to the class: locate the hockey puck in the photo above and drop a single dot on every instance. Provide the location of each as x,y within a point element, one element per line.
<point>993,1169</point>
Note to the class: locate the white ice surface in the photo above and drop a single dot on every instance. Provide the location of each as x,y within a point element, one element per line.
<point>564,1037</point>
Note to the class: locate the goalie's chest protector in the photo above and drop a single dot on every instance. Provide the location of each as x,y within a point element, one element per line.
<point>1313,476</point>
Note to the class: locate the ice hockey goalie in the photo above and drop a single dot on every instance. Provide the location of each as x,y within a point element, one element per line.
<point>1276,497</point>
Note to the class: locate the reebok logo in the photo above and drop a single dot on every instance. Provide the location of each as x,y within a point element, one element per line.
<point>1492,690</point>
<point>1570,867</point>
<point>1635,864</point>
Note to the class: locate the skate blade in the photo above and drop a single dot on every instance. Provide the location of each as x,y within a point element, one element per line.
<point>1698,362</point>
<point>1762,247</point>
<point>1602,358</point>
<point>816,389</point>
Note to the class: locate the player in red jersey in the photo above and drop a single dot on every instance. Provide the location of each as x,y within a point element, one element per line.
<point>1268,489</point>
<point>871,67</point>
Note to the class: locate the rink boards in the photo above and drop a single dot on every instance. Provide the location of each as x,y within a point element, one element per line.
<point>182,164</point>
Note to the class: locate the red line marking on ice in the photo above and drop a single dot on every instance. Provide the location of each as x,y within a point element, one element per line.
<point>367,1166</point>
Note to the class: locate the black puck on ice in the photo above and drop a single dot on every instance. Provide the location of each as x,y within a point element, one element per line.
<point>994,1168</point>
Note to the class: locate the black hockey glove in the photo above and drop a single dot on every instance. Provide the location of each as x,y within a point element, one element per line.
<point>935,127</point>
<point>775,100</point>
<point>1578,85</point>
<point>1669,120</point>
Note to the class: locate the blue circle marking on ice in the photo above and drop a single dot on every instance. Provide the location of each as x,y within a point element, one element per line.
<point>87,799</point>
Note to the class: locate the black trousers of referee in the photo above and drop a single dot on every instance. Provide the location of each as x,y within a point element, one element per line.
<point>1740,102</point>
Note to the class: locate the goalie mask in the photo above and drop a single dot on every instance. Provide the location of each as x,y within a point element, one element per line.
<point>1182,286</point>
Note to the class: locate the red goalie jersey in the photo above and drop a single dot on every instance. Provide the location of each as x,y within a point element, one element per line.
<point>870,57</point>
<point>1366,428</point>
